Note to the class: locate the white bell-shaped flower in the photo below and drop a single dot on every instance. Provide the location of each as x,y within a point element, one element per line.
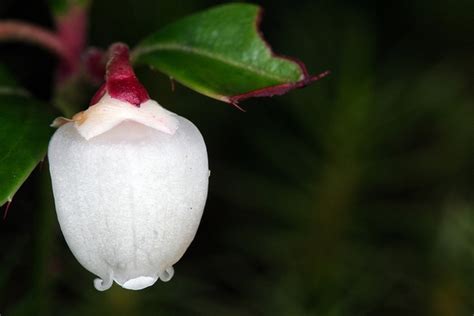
<point>130,184</point>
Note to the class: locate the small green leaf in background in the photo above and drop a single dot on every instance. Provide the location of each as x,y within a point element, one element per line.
<point>24,135</point>
<point>61,7</point>
<point>220,53</point>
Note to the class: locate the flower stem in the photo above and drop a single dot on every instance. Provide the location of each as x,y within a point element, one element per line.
<point>25,32</point>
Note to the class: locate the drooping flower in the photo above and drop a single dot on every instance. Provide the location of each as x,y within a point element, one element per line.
<point>130,182</point>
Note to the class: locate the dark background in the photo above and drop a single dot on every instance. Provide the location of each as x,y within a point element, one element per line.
<point>353,196</point>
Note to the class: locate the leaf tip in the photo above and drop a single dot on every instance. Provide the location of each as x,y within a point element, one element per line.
<point>279,89</point>
<point>319,76</point>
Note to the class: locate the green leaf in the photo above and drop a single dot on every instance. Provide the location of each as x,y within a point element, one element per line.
<point>220,53</point>
<point>24,135</point>
<point>61,7</point>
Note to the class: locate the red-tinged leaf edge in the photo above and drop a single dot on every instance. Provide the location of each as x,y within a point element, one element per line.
<point>279,89</point>
<point>275,90</point>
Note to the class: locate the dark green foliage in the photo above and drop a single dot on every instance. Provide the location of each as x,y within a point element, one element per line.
<point>24,135</point>
<point>218,52</point>
<point>60,7</point>
<point>353,196</point>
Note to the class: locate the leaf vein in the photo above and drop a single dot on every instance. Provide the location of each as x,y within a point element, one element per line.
<point>202,52</point>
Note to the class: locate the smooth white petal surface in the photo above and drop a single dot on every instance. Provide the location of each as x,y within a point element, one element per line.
<point>129,200</point>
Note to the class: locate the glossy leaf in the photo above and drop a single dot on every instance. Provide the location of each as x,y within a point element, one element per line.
<point>220,53</point>
<point>24,135</point>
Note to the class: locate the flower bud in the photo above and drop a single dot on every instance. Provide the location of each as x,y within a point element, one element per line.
<point>130,182</point>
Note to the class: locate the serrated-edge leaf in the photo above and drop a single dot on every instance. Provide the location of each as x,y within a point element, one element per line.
<point>203,53</point>
<point>280,83</point>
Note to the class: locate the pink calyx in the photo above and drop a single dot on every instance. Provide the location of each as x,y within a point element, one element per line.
<point>121,83</point>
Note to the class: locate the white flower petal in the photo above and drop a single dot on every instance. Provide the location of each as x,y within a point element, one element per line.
<point>129,200</point>
<point>110,112</point>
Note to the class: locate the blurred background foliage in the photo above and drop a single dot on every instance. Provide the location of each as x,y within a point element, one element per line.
<point>353,196</point>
